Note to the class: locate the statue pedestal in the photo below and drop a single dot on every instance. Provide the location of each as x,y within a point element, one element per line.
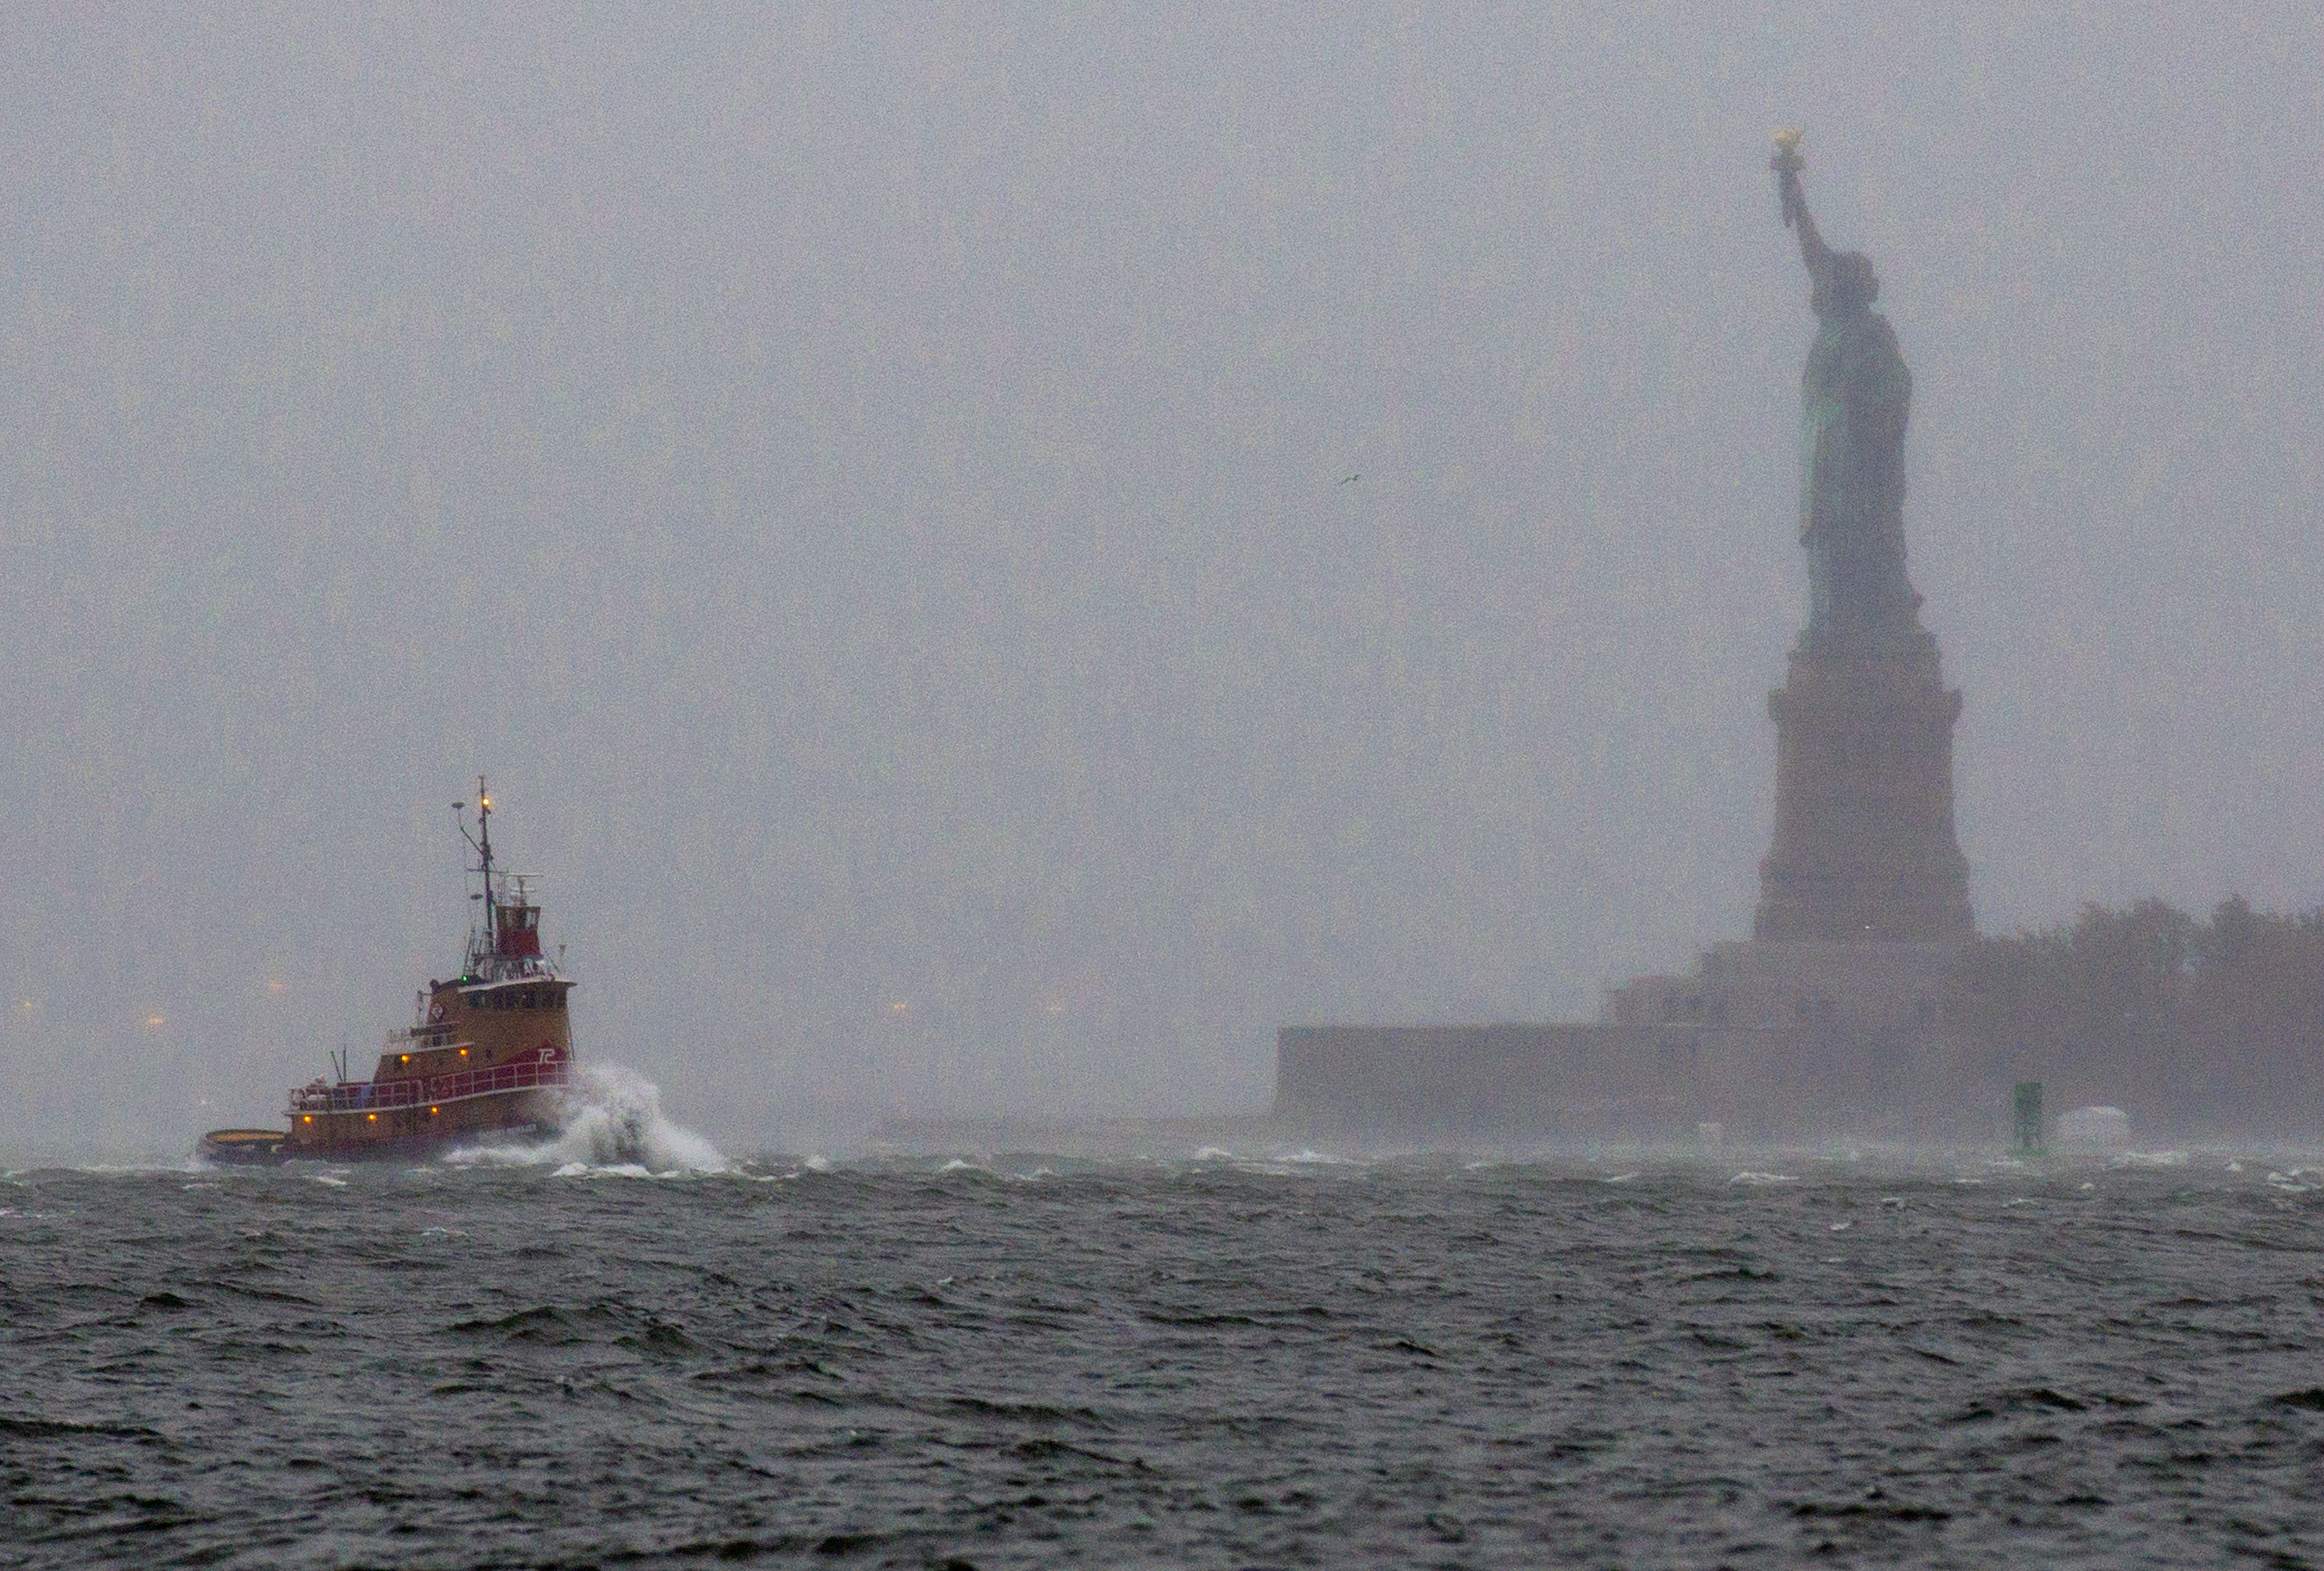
<point>1864,848</point>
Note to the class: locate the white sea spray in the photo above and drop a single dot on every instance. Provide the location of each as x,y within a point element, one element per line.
<point>615,1127</point>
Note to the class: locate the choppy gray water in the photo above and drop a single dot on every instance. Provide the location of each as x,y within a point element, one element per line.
<point>1213,1362</point>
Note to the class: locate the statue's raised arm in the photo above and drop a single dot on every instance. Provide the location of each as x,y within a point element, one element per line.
<point>1841,284</point>
<point>1787,163</point>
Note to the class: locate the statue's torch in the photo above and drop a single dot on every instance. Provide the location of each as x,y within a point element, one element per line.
<point>1787,163</point>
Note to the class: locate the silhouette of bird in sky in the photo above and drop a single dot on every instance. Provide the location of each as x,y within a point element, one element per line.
<point>1350,478</point>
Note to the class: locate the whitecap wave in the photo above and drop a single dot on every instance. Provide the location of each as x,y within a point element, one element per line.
<point>1765,1178</point>
<point>611,1170</point>
<point>615,1127</point>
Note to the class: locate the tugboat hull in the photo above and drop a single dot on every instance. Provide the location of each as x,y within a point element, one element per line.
<point>423,1128</point>
<point>404,1134</point>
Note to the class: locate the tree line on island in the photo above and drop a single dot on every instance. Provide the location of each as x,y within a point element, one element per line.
<point>2193,1024</point>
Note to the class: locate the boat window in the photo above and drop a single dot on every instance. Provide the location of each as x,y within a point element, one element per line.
<point>528,999</point>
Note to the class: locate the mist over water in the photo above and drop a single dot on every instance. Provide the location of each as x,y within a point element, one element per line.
<point>997,557</point>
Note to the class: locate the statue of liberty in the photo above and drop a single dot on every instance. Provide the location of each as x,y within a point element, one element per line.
<point>1855,398</point>
<point>1864,849</point>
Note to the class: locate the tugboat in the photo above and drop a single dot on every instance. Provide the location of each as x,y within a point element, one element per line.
<point>491,1052</point>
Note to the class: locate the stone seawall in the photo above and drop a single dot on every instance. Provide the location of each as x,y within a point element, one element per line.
<point>1634,1082</point>
<point>1417,1082</point>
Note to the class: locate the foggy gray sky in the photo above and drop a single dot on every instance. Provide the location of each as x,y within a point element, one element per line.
<point>867,484</point>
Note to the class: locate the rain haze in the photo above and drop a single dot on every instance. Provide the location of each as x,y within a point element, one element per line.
<point>994,556</point>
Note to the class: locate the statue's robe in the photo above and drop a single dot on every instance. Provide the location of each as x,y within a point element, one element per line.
<point>1856,396</point>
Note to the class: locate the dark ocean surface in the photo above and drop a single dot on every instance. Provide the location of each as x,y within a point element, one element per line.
<point>1217,1360</point>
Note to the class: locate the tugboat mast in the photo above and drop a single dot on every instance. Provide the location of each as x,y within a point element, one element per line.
<point>483,843</point>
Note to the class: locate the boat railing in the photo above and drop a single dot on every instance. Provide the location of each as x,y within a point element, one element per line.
<point>375,1096</point>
